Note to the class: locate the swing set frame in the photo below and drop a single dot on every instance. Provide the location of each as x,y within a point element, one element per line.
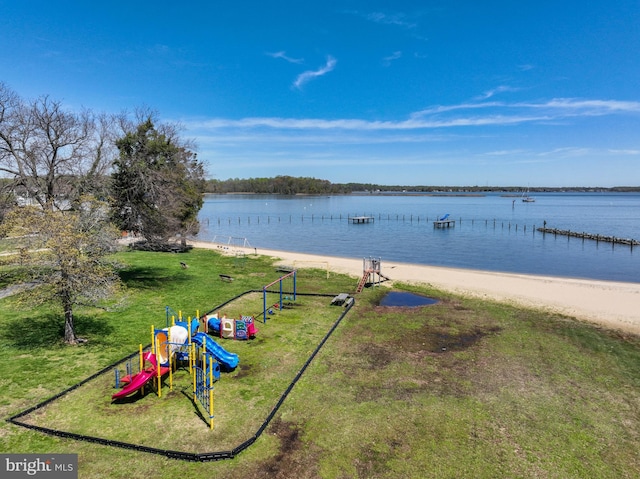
<point>265,289</point>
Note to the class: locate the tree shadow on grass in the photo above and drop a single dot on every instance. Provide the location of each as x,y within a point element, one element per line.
<point>46,329</point>
<point>93,327</point>
<point>12,277</point>
<point>150,277</point>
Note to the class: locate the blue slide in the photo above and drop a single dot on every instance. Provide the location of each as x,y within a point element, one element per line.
<point>225,358</point>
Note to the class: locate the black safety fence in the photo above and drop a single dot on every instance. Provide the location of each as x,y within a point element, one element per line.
<point>180,455</point>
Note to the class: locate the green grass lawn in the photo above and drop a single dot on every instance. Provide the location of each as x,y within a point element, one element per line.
<point>462,388</point>
<point>8,245</point>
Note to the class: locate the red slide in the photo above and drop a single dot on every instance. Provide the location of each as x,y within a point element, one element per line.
<point>143,377</point>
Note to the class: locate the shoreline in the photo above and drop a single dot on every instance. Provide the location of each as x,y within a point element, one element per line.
<point>613,305</point>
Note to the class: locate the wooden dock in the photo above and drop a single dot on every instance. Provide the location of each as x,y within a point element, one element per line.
<point>590,236</point>
<point>361,219</point>
<point>444,223</point>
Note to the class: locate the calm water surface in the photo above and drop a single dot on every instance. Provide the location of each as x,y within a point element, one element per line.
<point>492,232</point>
<point>405,299</point>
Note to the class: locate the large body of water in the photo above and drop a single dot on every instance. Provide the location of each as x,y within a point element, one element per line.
<point>491,232</point>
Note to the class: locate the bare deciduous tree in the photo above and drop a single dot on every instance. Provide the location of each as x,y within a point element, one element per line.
<point>52,154</point>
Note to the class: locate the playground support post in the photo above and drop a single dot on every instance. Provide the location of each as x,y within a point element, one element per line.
<point>171,365</point>
<point>189,338</point>
<point>158,375</point>
<point>210,392</point>
<point>154,347</point>
<point>264,304</point>
<point>153,340</point>
<point>292,274</point>
<point>192,359</point>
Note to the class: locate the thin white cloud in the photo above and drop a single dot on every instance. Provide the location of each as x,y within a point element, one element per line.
<point>625,152</point>
<point>505,152</point>
<point>501,89</point>
<point>595,107</point>
<point>567,152</point>
<point>398,19</point>
<point>283,55</point>
<point>442,116</point>
<point>437,109</point>
<point>440,134</point>
<point>365,125</point>
<point>309,75</point>
<point>284,139</point>
<point>554,109</point>
<point>386,61</point>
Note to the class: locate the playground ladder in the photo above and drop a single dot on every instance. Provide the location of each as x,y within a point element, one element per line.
<point>362,282</point>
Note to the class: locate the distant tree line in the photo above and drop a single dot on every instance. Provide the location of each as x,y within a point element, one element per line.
<point>279,185</point>
<point>289,185</point>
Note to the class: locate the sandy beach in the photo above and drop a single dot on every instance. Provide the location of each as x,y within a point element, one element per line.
<point>613,305</point>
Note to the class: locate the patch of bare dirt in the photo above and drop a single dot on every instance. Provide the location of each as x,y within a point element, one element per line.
<point>426,340</point>
<point>294,460</point>
<point>244,371</point>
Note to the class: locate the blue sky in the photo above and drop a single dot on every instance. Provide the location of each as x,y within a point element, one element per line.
<point>542,93</point>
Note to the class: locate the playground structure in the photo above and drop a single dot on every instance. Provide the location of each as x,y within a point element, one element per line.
<point>178,345</point>
<point>182,344</point>
<point>204,397</point>
<point>230,328</point>
<point>371,273</point>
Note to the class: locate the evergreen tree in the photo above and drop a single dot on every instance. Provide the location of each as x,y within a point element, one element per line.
<point>157,184</point>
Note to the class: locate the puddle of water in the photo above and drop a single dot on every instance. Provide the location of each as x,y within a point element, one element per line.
<point>404,299</point>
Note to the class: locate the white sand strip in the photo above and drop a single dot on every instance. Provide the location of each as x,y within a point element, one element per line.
<point>614,305</point>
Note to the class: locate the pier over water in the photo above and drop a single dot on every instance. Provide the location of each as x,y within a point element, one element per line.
<point>590,236</point>
<point>489,233</point>
<point>361,219</point>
